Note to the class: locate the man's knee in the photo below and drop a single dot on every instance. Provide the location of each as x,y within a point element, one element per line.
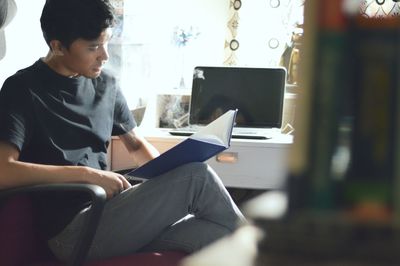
<point>195,171</point>
<point>197,167</point>
<point>203,171</point>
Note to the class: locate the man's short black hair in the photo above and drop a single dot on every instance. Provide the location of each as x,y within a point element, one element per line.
<point>69,20</point>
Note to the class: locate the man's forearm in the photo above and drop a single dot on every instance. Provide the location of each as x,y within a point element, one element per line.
<point>144,154</point>
<point>17,173</point>
<point>139,147</point>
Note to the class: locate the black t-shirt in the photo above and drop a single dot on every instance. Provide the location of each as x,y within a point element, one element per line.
<point>57,120</point>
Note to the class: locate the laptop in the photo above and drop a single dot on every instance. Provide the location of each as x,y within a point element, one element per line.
<point>257,93</point>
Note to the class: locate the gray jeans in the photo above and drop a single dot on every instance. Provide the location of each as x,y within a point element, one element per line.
<point>184,209</point>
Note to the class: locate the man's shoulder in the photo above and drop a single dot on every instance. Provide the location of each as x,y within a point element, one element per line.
<point>18,84</point>
<point>23,75</point>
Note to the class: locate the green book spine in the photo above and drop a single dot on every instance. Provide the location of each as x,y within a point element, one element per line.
<point>368,191</point>
<point>329,83</point>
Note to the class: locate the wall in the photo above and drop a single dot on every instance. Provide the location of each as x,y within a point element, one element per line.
<point>151,61</point>
<point>25,43</point>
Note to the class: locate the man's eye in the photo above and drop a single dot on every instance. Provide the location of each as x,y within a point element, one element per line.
<point>93,48</point>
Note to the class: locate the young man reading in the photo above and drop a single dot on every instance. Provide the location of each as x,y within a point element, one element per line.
<point>56,120</point>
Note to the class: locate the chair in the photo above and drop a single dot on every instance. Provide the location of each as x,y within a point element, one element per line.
<point>22,244</point>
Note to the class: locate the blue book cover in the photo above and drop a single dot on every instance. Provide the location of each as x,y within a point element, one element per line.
<point>199,147</point>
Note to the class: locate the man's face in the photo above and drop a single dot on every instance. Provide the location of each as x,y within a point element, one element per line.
<point>85,57</point>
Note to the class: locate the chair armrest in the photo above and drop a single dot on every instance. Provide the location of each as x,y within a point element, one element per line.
<point>98,198</point>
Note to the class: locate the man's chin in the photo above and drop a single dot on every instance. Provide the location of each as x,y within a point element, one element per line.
<point>97,72</point>
<point>91,75</point>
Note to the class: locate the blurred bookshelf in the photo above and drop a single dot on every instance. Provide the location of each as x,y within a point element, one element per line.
<point>344,181</point>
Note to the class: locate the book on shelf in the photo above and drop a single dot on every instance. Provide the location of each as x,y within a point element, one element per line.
<point>371,181</point>
<point>324,82</point>
<point>199,147</point>
<point>329,84</point>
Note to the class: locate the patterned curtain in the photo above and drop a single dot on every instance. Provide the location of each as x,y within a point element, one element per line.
<point>231,43</point>
<point>259,31</point>
<point>380,8</point>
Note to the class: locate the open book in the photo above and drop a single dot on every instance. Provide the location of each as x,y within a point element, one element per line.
<point>199,147</point>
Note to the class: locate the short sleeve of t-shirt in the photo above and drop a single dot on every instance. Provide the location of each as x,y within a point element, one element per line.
<point>15,116</point>
<point>123,118</point>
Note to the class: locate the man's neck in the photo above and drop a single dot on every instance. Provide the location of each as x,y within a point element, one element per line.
<point>54,62</point>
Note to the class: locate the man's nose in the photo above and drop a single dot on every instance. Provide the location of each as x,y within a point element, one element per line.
<point>103,57</point>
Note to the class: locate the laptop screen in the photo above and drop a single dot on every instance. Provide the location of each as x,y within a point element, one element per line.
<point>257,93</point>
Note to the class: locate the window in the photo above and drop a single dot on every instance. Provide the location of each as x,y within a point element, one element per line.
<point>162,41</point>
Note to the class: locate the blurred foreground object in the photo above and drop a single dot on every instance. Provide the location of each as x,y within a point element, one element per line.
<point>8,9</point>
<point>343,190</point>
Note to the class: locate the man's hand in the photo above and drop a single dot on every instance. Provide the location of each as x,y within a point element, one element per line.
<point>113,183</point>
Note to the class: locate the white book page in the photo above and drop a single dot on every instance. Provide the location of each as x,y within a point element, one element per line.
<point>219,131</point>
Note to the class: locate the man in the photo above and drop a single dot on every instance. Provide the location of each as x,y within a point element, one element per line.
<point>56,119</point>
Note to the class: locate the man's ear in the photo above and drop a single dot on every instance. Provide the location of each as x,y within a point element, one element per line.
<point>56,47</point>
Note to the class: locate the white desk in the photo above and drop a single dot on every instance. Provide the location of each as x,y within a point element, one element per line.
<point>253,164</point>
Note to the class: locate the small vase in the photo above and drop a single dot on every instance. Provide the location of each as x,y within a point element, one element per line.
<point>181,60</point>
